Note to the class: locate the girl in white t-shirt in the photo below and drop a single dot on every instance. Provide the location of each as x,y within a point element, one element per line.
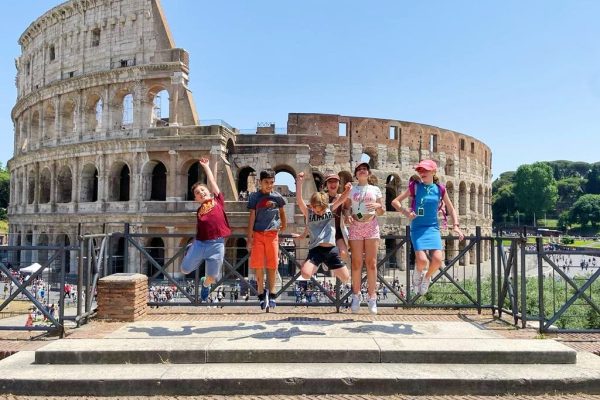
<point>364,204</point>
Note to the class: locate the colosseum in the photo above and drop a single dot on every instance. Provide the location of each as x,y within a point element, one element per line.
<point>107,133</point>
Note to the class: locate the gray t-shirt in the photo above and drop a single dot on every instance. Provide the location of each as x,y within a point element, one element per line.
<point>266,207</point>
<point>321,228</point>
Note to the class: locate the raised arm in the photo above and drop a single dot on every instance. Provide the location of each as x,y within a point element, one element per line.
<point>340,200</point>
<point>210,178</point>
<point>299,199</point>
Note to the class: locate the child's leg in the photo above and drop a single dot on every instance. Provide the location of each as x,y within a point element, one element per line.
<point>308,269</point>
<point>357,249</point>
<point>214,261</point>
<point>371,246</point>
<point>421,260</point>
<point>343,274</point>
<point>436,263</point>
<point>271,279</point>
<point>193,258</point>
<point>341,245</point>
<point>260,280</point>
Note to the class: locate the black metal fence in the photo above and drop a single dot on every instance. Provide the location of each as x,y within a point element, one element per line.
<point>535,282</point>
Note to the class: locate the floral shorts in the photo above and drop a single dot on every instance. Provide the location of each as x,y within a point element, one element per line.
<point>364,230</point>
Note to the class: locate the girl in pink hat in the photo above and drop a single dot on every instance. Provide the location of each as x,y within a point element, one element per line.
<point>425,234</point>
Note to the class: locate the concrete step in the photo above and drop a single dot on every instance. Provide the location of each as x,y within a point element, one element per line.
<point>22,376</point>
<point>201,350</point>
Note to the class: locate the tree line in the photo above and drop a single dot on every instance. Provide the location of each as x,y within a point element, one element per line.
<point>564,190</point>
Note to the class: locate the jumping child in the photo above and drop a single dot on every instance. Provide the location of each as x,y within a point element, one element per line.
<point>320,219</point>
<point>212,228</point>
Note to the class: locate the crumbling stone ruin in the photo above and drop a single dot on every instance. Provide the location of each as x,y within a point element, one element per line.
<point>106,133</point>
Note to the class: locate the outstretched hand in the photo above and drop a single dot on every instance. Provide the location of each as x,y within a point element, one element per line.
<point>300,177</point>
<point>204,162</point>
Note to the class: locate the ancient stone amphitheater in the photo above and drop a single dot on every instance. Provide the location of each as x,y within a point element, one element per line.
<point>106,132</point>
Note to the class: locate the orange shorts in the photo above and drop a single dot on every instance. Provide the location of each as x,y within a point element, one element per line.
<point>265,250</point>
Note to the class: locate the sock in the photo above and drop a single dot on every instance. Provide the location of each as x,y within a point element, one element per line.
<point>261,297</point>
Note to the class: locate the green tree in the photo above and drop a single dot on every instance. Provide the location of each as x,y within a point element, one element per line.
<point>535,188</point>
<point>593,180</point>
<point>503,203</point>
<point>586,210</point>
<point>569,190</point>
<point>4,186</point>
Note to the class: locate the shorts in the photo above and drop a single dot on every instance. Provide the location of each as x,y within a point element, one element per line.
<point>330,256</point>
<point>211,252</point>
<point>265,250</point>
<point>364,230</point>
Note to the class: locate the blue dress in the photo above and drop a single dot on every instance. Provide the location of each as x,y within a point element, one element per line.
<point>425,229</point>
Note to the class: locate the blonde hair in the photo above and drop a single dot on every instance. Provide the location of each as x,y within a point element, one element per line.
<point>319,199</point>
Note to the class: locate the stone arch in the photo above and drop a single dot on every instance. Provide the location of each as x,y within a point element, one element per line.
<point>462,198</point>
<point>472,198</point>
<point>119,184</point>
<point>94,110</point>
<point>42,240</point>
<point>68,117</point>
<point>159,97</point>
<point>373,156</point>
<point>31,187</point>
<point>49,120</point>
<point>195,173</point>
<point>34,131</point>
<point>246,180</point>
<point>118,110</point>
<point>392,186</point>
<point>156,249</point>
<point>45,185</point>
<point>117,252</point>
<point>89,184</point>
<point>154,181</point>
<point>64,185</point>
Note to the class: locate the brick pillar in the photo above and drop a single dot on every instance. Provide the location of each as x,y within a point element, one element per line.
<point>123,297</point>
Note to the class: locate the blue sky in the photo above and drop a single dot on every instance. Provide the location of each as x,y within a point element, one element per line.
<point>522,76</point>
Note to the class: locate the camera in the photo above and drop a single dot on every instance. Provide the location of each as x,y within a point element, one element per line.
<point>359,215</point>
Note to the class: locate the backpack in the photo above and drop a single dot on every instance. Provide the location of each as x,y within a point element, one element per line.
<point>442,189</point>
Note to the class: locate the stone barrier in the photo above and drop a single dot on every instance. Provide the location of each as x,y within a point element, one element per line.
<point>123,297</point>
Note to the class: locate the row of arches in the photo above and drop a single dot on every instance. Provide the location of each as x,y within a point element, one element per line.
<point>60,186</point>
<point>68,116</point>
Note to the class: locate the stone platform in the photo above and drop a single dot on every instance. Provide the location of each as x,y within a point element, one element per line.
<point>278,355</point>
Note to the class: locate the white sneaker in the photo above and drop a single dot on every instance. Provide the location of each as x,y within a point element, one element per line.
<point>372,305</point>
<point>424,286</point>
<point>355,305</point>
<point>417,279</point>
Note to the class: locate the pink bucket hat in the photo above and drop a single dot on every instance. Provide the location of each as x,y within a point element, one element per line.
<point>427,165</point>
<point>332,175</point>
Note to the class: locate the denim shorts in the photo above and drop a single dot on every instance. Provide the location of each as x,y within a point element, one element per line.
<point>209,251</point>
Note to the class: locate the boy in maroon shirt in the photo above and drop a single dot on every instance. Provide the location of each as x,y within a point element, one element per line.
<point>212,228</point>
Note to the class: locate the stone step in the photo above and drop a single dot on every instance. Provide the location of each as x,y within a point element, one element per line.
<point>201,350</point>
<point>22,376</point>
